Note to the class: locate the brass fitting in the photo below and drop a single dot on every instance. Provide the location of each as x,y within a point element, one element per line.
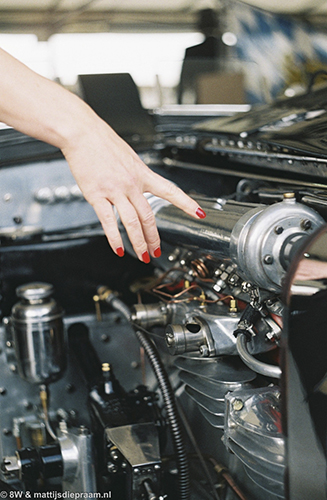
<point>233,306</point>
<point>103,293</point>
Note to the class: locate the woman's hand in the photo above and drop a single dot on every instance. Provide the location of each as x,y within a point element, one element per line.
<point>110,173</point>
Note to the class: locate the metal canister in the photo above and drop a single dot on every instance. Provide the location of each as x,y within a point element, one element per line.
<point>38,334</point>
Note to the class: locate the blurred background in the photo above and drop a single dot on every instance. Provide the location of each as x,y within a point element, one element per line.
<point>264,49</point>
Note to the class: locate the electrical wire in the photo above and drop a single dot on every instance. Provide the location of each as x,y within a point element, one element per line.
<point>44,403</point>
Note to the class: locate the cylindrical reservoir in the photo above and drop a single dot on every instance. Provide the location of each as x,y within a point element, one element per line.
<point>38,334</point>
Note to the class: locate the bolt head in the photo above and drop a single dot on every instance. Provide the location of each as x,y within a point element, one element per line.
<point>112,468</point>
<point>268,259</point>
<point>204,351</point>
<point>114,455</point>
<point>238,404</point>
<point>306,224</point>
<point>170,340</point>
<point>279,229</point>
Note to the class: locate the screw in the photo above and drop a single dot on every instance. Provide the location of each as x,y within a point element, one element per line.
<point>7,432</point>
<point>114,455</point>
<point>70,388</point>
<point>279,229</point>
<point>72,413</point>
<point>170,339</point>
<point>238,404</point>
<point>18,219</point>
<point>83,431</point>
<point>306,224</point>
<point>204,351</point>
<point>3,391</point>
<point>268,259</point>
<point>7,197</point>
<point>112,468</point>
<point>105,338</point>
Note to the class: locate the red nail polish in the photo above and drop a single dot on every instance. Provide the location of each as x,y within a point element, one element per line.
<point>120,252</point>
<point>200,213</point>
<point>146,257</point>
<point>157,252</point>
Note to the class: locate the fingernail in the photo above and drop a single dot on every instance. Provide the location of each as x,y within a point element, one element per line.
<point>200,213</point>
<point>157,252</point>
<point>120,252</point>
<point>146,257</point>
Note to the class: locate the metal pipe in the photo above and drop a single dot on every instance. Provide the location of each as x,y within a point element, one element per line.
<point>212,235</point>
<point>260,240</point>
<point>223,471</point>
<point>253,363</point>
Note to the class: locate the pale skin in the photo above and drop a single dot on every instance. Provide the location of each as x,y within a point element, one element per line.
<point>107,170</point>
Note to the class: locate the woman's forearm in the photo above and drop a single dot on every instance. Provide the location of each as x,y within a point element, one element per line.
<point>106,169</point>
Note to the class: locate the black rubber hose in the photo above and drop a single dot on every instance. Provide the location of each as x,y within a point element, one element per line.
<point>168,397</point>
<point>172,412</point>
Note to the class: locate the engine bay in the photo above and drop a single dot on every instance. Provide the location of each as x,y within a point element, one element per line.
<point>170,380</point>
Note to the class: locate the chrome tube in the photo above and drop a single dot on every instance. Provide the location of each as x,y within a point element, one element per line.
<point>211,235</point>
<point>253,363</point>
<point>261,240</point>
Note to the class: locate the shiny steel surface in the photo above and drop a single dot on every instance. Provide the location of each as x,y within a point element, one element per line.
<point>213,390</point>
<point>260,251</point>
<point>209,394</point>
<point>214,421</point>
<point>78,457</point>
<point>253,363</point>
<point>213,328</point>
<point>245,233</point>
<point>45,196</point>
<point>253,433</point>
<point>216,370</point>
<point>209,235</point>
<point>208,404</point>
<point>138,443</point>
<point>38,334</point>
<point>34,291</point>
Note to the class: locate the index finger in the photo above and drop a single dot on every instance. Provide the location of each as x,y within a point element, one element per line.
<point>165,189</point>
